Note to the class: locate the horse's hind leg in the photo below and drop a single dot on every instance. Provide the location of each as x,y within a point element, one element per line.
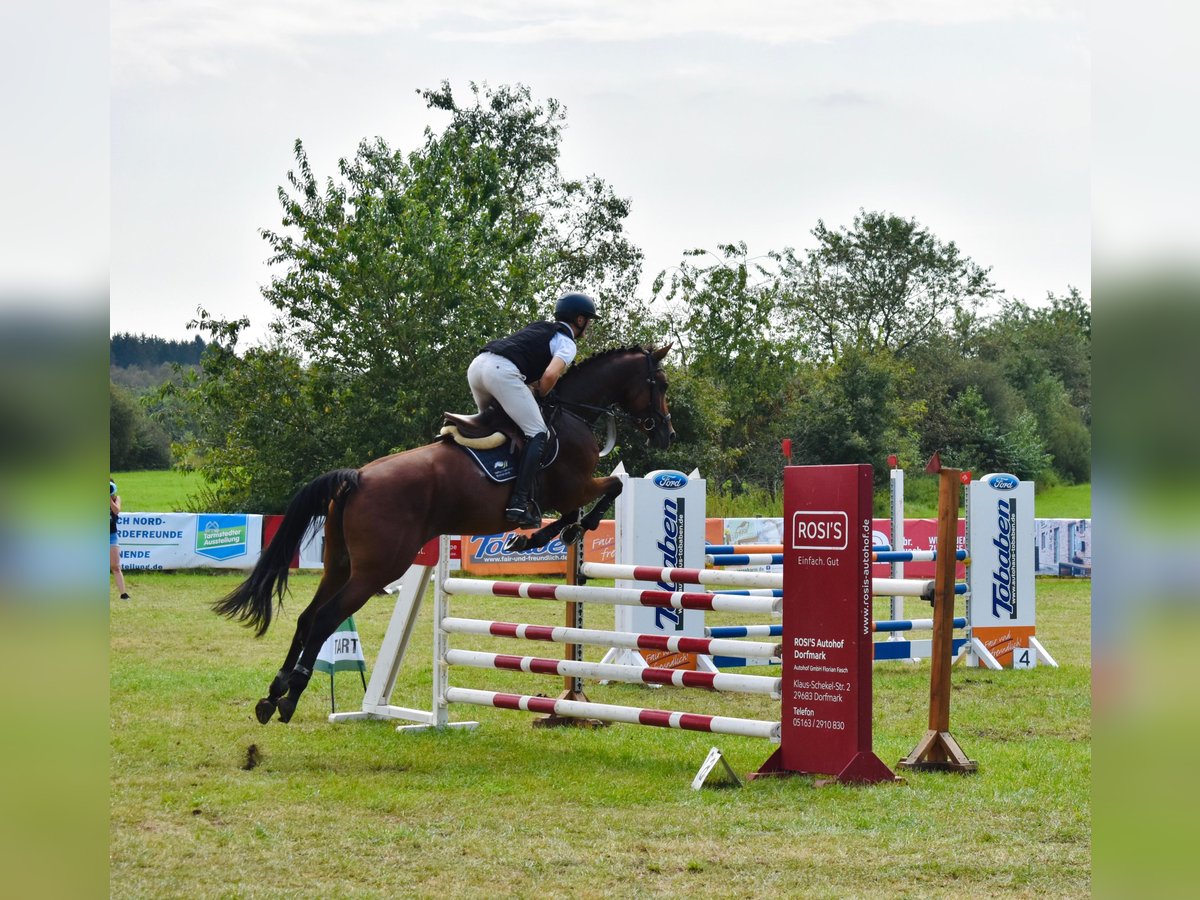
<point>345,603</point>
<point>331,582</point>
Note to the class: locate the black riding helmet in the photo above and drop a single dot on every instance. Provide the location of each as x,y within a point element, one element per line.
<point>571,305</point>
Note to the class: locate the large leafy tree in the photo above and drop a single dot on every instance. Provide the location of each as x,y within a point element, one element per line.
<point>884,284</point>
<point>391,275</point>
<point>395,274</point>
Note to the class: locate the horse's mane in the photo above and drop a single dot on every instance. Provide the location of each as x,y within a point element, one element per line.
<point>587,365</point>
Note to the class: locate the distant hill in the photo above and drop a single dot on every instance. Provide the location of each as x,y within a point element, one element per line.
<point>149,352</point>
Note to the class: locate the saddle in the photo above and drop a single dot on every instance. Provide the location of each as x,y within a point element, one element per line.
<point>482,431</point>
<point>493,440</point>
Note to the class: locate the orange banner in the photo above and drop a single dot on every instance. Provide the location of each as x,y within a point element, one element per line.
<point>1001,642</point>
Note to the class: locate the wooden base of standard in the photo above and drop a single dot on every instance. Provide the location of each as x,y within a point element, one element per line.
<point>938,752</point>
<point>572,685</point>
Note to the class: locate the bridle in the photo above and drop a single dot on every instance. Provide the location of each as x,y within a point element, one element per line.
<point>649,423</point>
<point>653,420</point>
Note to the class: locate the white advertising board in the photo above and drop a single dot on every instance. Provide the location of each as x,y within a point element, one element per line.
<point>188,540</point>
<point>1001,538</point>
<point>660,522</point>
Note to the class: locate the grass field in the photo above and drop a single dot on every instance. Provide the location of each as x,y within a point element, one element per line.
<point>157,491</point>
<point>511,811</point>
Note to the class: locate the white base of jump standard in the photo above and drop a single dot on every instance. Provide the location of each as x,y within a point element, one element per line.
<point>409,591</point>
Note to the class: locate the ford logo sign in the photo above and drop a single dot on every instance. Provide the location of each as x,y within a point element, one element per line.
<point>670,481</point>
<point>1003,482</point>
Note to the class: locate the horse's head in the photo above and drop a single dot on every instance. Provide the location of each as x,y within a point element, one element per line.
<point>624,378</point>
<point>645,399</point>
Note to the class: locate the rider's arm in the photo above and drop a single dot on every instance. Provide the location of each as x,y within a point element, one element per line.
<point>549,379</point>
<point>563,350</point>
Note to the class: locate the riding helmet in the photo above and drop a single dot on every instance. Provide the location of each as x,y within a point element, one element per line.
<point>571,305</point>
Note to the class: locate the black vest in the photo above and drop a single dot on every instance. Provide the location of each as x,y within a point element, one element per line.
<point>529,348</point>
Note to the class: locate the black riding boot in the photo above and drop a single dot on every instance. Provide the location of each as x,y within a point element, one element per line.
<point>518,510</point>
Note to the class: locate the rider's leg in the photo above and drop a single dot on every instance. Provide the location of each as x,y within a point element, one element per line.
<point>494,376</point>
<point>518,510</point>
<point>481,371</point>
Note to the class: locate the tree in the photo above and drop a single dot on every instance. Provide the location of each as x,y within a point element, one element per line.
<point>134,440</point>
<point>853,411</point>
<point>883,284</point>
<point>147,351</point>
<point>1045,355</point>
<point>975,440</point>
<point>737,348</point>
<point>388,279</point>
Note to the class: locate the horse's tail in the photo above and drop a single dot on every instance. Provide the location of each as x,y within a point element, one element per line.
<point>250,602</point>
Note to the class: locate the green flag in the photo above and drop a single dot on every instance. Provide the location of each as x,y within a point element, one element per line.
<point>343,651</point>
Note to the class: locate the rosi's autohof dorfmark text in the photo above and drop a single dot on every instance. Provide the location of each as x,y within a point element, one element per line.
<point>820,530</point>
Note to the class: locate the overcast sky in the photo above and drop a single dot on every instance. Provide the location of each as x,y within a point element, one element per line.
<point>721,122</point>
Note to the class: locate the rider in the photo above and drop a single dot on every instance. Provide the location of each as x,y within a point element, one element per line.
<point>513,370</point>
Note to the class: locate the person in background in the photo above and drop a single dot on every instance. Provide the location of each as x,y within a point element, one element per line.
<point>114,549</point>
<point>515,371</point>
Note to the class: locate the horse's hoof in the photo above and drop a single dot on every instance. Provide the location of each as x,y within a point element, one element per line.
<point>571,534</point>
<point>286,709</point>
<point>264,709</point>
<point>515,543</point>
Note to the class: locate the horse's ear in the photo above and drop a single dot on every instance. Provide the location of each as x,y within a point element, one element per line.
<point>661,352</point>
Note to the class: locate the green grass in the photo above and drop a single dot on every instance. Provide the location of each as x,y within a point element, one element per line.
<point>361,810</point>
<point>1057,502</point>
<point>1067,501</point>
<point>156,491</point>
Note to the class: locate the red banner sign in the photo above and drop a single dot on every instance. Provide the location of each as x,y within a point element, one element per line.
<point>827,653</point>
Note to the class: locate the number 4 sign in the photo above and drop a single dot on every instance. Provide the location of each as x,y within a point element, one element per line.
<point>1023,658</point>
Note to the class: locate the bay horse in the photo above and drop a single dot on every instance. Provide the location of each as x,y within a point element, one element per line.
<point>378,517</point>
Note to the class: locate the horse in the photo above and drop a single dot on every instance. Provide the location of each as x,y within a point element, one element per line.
<point>378,517</point>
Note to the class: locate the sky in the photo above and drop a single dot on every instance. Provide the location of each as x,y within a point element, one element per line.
<point>721,122</point>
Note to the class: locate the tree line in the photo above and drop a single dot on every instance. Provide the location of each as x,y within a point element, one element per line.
<point>138,365</point>
<point>147,351</point>
<point>876,337</point>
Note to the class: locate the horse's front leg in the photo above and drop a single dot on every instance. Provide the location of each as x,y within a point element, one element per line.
<point>608,490</point>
